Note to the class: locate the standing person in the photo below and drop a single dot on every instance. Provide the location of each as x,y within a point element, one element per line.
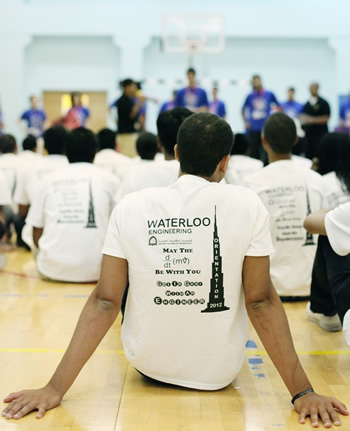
<point>291,107</point>
<point>217,106</point>
<point>192,97</point>
<point>167,106</point>
<point>77,115</point>
<point>196,342</point>
<point>344,115</point>
<point>257,107</point>
<point>33,120</point>
<point>289,192</point>
<point>314,118</point>
<point>128,113</point>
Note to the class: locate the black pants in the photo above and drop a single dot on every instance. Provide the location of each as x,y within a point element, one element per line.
<point>256,149</point>
<point>330,285</point>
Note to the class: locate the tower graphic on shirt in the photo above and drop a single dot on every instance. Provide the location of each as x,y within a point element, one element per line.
<point>91,224</point>
<point>216,295</point>
<point>309,237</point>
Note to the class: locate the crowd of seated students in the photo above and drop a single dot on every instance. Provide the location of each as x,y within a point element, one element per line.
<point>59,204</point>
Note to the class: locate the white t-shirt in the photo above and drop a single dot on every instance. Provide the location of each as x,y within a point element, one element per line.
<point>240,166</point>
<point>73,206</point>
<point>335,191</point>
<point>113,162</point>
<point>149,174</point>
<point>8,166</point>
<point>30,177</point>
<point>5,194</point>
<point>290,192</point>
<point>303,161</point>
<point>185,320</point>
<point>338,229</point>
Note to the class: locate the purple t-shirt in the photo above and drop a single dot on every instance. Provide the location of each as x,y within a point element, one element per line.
<point>191,98</point>
<point>167,106</point>
<point>35,119</point>
<point>81,113</point>
<point>257,108</point>
<point>217,107</point>
<point>292,109</point>
<point>345,113</point>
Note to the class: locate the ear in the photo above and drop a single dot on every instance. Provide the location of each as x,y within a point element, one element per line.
<point>296,141</point>
<point>159,144</point>
<point>176,152</point>
<point>264,142</point>
<point>224,163</point>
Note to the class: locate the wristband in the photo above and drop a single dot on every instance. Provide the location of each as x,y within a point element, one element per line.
<point>301,394</point>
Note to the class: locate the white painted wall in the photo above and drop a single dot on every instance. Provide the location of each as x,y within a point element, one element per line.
<point>287,42</point>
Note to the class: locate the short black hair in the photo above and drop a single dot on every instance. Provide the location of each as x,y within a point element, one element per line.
<point>8,144</point>
<point>29,143</point>
<point>126,82</point>
<point>191,70</point>
<point>334,156</point>
<point>81,145</point>
<point>168,124</point>
<point>106,139</point>
<point>291,89</point>
<point>280,132</point>
<point>55,139</point>
<point>203,140</point>
<point>241,144</point>
<point>146,146</point>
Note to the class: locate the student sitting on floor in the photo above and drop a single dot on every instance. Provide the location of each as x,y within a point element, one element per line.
<point>289,192</point>
<point>70,214</point>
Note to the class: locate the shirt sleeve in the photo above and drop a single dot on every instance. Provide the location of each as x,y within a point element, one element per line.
<point>338,229</point>
<point>274,99</point>
<point>179,99</point>
<point>261,242</point>
<point>113,244</point>
<point>5,194</point>
<point>204,101</point>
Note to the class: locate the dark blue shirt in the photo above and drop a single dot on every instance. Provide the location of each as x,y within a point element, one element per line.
<point>35,119</point>
<point>257,108</point>
<point>217,107</point>
<point>292,109</point>
<point>191,98</point>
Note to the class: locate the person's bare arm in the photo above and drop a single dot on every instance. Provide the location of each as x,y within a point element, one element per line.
<point>314,223</point>
<point>322,119</point>
<point>37,233</point>
<point>23,210</point>
<point>98,315</point>
<point>267,315</point>
<point>137,107</point>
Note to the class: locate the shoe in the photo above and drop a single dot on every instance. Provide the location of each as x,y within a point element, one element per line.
<point>328,323</point>
<point>3,261</point>
<point>346,327</point>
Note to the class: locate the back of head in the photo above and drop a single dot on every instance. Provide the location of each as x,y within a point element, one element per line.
<point>334,156</point>
<point>280,133</point>
<point>203,140</point>
<point>106,139</point>
<point>29,143</point>
<point>241,145</point>
<point>8,144</point>
<point>168,124</point>
<point>146,146</point>
<point>54,140</point>
<point>81,146</point>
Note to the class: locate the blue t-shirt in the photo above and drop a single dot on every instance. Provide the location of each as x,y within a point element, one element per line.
<point>35,119</point>
<point>345,113</point>
<point>191,98</point>
<point>81,114</point>
<point>217,107</point>
<point>257,108</point>
<point>292,109</point>
<point>167,106</point>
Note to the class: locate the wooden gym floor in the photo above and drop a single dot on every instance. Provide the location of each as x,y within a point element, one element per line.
<point>37,319</point>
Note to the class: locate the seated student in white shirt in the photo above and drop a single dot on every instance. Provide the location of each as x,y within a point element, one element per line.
<point>196,340</point>
<point>147,146</point>
<point>329,305</point>
<point>108,158</point>
<point>289,192</point>
<point>334,165</point>
<point>241,164</point>
<point>70,213</point>
<point>31,175</point>
<point>163,173</point>
<point>9,159</point>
